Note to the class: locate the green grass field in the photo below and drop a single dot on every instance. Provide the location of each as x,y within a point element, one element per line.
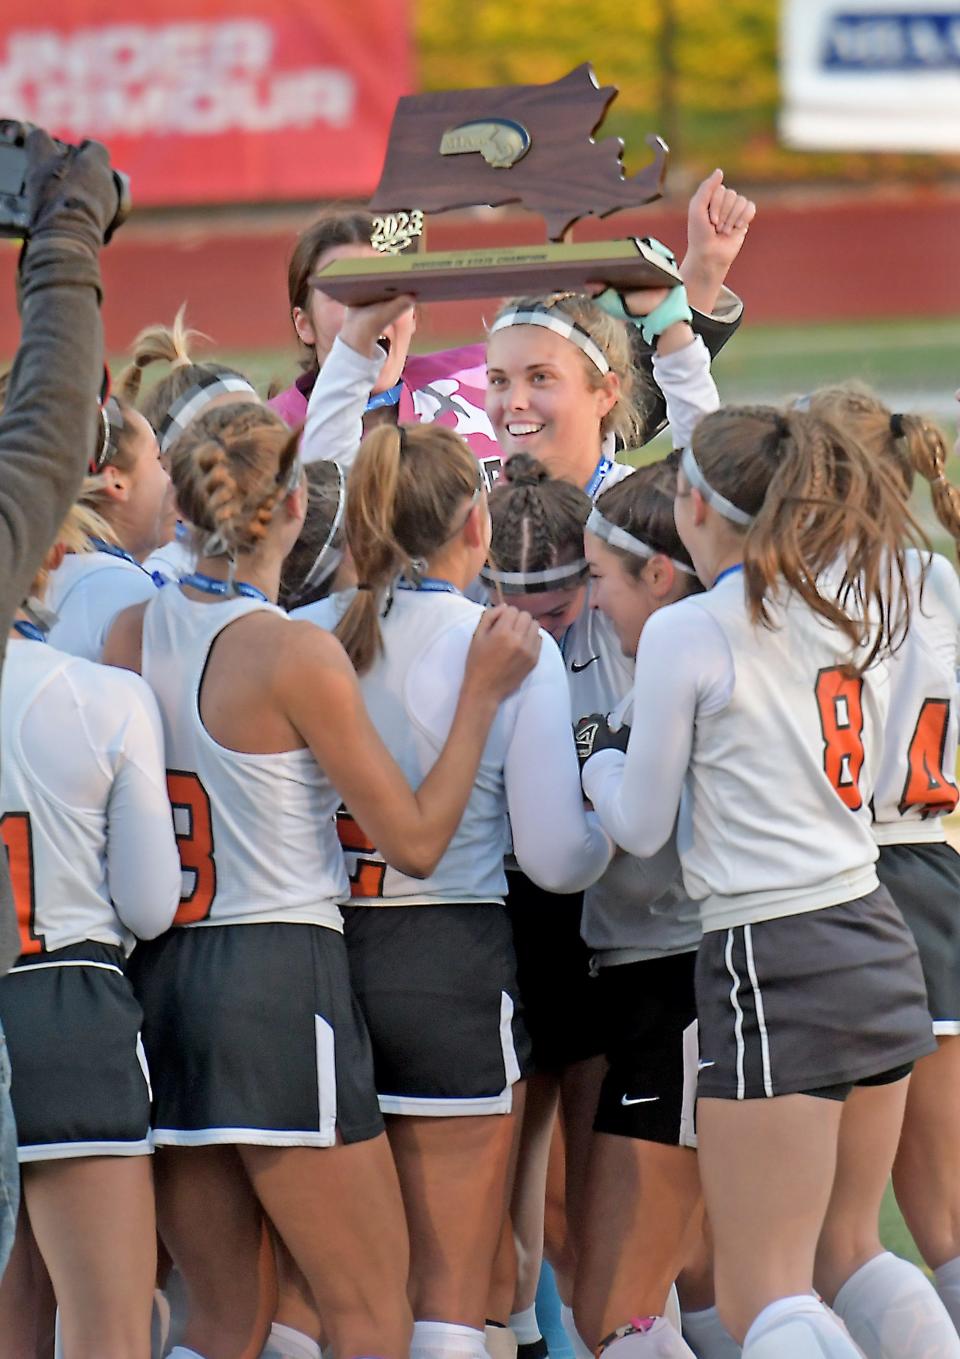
<point>912,364</point>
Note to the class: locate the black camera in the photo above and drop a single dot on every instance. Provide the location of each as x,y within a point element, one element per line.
<point>14,210</point>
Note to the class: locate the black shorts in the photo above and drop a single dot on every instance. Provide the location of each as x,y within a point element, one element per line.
<point>254,1037</point>
<point>924,881</point>
<point>553,970</point>
<point>80,1081</point>
<point>650,1016</point>
<point>821,999</point>
<point>437,986</point>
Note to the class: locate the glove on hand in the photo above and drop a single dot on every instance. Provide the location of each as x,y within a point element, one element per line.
<point>594,733</point>
<point>72,197</point>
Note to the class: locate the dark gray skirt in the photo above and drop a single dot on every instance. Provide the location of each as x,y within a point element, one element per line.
<point>822,999</point>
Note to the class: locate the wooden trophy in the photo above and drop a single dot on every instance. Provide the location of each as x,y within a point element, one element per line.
<point>527,144</point>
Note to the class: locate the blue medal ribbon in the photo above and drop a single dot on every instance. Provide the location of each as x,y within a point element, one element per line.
<point>29,630</point>
<point>730,571</point>
<point>428,585</point>
<point>391,397</point>
<point>599,476</point>
<point>209,585</point>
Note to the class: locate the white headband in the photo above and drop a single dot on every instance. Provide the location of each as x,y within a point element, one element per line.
<point>560,325</point>
<point>188,406</point>
<point>691,470</point>
<point>536,582</point>
<point>619,537</point>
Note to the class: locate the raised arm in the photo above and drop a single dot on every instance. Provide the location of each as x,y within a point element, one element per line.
<point>49,422</point>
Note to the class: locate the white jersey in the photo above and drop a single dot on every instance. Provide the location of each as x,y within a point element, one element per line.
<point>86,592</point>
<point>639,909</point>
<point>916,783</point>
<point>175,559</point>
<point>781,745</point>
<point>256,832</point>
<point>85,817</point>
<point>528,771</point>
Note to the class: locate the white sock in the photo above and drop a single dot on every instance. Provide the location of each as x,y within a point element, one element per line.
<point>707,1336</point>
<point>181,1352</point>
<point>525,1325</point>
<point>799,1328</point>
<point>499,1341</point>
<point>948,1286</point>
<point>444,1340</point>
<point>661,1341</point>
<point>581,1350</point>
<point>891,1309</point>
<point>284,1342</point>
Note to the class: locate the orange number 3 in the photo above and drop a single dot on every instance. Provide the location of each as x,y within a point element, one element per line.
<point>18,842</point>
<point>195,844</point>
<point>927,788</point>
<point>839,701</point>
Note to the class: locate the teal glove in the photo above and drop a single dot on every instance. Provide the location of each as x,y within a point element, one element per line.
<point>674,306</point>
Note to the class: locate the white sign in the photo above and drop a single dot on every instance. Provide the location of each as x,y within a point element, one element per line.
<point>864,75</point>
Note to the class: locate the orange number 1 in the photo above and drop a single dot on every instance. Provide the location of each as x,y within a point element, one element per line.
<point>18,841</point>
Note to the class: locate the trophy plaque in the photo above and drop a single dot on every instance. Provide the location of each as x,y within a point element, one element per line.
<point>526,144</point>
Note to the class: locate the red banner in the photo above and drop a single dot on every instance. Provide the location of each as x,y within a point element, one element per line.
<point>203,101</point>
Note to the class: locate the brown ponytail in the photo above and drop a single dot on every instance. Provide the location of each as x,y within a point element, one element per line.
<point>405,490</point>
<point>906,443</point>
<point>824,511</point>
<point>230,469</point>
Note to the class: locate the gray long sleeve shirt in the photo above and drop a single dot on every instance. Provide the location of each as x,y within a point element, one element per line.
<point>46,432</point>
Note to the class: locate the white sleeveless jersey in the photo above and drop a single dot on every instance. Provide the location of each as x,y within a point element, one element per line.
<point>83,804</point>
<point>639,909</point>
<point>256,832</point>
<point>86,592</point>
<point>917,780</point>
<point>528,771</point>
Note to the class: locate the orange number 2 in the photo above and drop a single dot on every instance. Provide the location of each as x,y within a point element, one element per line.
<point>927,788</point>
<point>839,700</point>
<point>18,841</point>
<point>366,880</point>
<point>195,843</point>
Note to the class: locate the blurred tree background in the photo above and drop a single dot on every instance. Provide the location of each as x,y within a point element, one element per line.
<point>702,73</point>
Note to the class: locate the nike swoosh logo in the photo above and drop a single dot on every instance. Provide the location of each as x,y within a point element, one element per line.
<point>702,1066</point>
<point>576,667</point>
<point>643,1099</point>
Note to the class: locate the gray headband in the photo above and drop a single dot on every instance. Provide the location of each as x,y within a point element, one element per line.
<point>188,406</point>
<point>691,470</point>
<point>619,537</point>
<point>536,582</point>
<point>560,325</point>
